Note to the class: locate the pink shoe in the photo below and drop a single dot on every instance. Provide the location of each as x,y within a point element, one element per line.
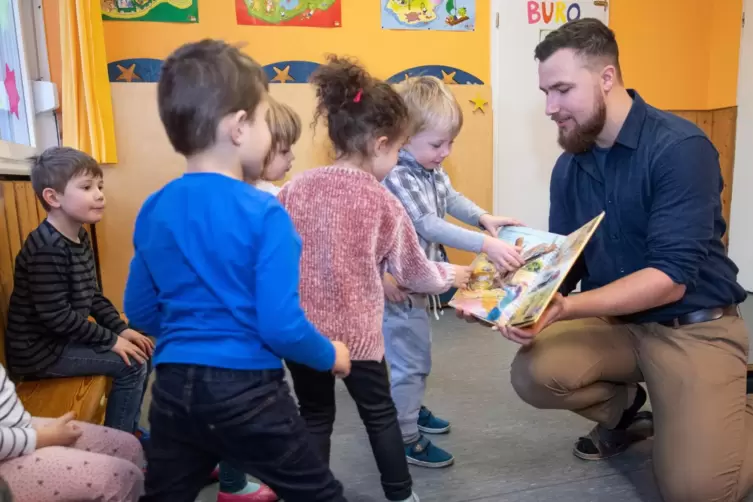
<point>263,494</point>
<point>215,476</point>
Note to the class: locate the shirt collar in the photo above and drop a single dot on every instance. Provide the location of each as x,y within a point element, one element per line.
<point>628,136</point>
<point>631,129</point>
<point>405,158</point>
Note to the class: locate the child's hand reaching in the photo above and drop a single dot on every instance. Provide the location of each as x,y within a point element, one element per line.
<point>342,360</point>
<point>392,290</point>
<point>505,256</point>
<point>59,432</point>
<point>462,276</point>
<point>492,223</point>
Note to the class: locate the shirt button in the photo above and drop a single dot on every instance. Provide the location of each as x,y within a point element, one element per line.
<point>622,270</point>
<point>609,201</point>
<point>614,237</point>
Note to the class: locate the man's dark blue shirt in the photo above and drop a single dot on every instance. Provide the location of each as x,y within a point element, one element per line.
<point>660,186</point>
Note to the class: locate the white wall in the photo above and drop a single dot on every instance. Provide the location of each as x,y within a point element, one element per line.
<point>741,226</point>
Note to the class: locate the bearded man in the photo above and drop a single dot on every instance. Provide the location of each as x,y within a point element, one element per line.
<point>659,295</point>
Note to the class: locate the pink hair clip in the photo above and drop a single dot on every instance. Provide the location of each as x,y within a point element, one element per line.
<point>357,99</point>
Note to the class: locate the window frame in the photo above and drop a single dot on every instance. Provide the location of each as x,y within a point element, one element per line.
<point>28,20</point>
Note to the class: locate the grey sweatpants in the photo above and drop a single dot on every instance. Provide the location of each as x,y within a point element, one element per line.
<point>407,347</point>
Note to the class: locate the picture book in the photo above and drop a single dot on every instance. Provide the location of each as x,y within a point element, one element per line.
<point>519,298</point>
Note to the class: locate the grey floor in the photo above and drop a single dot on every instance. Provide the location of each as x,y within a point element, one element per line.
<point>504,450</point>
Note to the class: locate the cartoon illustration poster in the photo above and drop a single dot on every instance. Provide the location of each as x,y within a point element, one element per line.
<point>445,15</point>
<point>317,13</point>
<point>166,11</point>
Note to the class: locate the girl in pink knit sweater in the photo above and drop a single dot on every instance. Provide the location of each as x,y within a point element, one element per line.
<point>352,228</point>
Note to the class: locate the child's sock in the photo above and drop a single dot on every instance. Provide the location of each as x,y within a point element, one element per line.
<point>249,488</point>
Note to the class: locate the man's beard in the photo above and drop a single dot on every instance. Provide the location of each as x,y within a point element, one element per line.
<point>583,136</point>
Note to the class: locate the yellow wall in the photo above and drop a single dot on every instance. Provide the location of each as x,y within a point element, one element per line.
<point>383,52</point>
<point>680,54</point>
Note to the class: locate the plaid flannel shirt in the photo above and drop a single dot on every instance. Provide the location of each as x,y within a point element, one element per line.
<point>423,192</point>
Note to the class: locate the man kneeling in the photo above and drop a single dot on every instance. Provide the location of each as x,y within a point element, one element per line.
<point>659,300</point>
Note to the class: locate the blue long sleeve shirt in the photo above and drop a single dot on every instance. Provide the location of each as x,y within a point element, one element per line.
<point>215,278</point>
<point>660,186</point>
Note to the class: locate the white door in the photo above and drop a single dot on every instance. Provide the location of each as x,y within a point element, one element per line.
<point>525,146</point>
<point>740,235</point>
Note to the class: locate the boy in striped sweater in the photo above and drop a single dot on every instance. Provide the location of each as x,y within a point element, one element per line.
<point>55,292</point>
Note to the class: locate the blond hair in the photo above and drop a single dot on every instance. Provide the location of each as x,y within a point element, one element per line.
<point>284,127</point>
<point>431,105</point>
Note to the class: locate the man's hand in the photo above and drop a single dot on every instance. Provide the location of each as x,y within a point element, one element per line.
<point>505,256</point>
<point>392,290</point>
<point>556,311</point>
<point>124,349</point>
<point>59,432</point>
<point>492,223</point>
<point>143,342</point>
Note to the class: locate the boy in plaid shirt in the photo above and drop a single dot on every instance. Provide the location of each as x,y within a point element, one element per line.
<point>424,189</point>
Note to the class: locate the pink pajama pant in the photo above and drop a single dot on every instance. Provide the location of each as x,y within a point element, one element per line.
<point>104,465</point>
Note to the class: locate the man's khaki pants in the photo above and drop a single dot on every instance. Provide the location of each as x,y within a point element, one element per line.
<point>696,379</point>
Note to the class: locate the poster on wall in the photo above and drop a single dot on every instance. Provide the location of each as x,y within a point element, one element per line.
<point>439,15</point>
<point>164,11</point>
<point>319,13</point>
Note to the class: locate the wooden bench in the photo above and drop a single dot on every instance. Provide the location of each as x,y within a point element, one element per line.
<point>20,213</point>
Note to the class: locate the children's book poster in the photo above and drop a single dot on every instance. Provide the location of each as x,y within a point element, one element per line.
<point>441,15</point>
<point>319,13</point>
<point>165,11</point>
<point>519,298</point>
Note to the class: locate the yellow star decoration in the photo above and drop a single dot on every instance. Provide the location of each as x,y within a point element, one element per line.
<point>128,74</point>
<point>448,78</point>
<point>282,75</point>
<point>478,103</point>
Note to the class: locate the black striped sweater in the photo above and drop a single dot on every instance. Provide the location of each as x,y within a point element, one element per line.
<point>54,294</point>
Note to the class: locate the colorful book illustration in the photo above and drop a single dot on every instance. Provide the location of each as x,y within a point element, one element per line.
<point>519,298</point>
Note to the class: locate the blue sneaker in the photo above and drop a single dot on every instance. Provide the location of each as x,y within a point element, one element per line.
<point>423,453</point>
<point>430,424</point>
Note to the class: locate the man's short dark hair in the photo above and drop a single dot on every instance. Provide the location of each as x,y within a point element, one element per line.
<point>202,82</point>
<point>588,37</point>
<point>56,166</point>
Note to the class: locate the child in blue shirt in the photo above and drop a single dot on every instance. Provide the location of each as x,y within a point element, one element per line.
<point>215,278</point>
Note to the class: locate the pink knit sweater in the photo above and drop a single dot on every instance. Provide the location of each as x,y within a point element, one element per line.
<point>352,229</point>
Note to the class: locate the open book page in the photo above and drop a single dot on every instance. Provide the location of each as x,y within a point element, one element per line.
<point>520,298</point>
<point>550,278</point>
<point>494,296</point>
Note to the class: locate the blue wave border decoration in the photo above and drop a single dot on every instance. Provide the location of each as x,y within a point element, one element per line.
<point>460,77</point>
<point>134,70</point>
<point>147,70</point>
<point>290,72</point>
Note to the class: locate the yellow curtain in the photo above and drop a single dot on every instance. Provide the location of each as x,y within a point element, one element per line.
<point>88,123</point>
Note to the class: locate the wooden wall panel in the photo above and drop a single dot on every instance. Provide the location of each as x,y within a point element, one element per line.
<point>720,126</point>
<point>19,215</point>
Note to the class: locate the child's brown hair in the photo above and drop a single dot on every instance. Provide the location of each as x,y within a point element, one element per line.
<point>56,166</point>
<point>284,127</point>
<point>199,84</point>
<point>358,107</point>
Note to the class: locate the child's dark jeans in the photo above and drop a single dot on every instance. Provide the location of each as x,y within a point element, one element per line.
<point>369,386</point>
<point>129,383</point>
<point>201,415</point>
